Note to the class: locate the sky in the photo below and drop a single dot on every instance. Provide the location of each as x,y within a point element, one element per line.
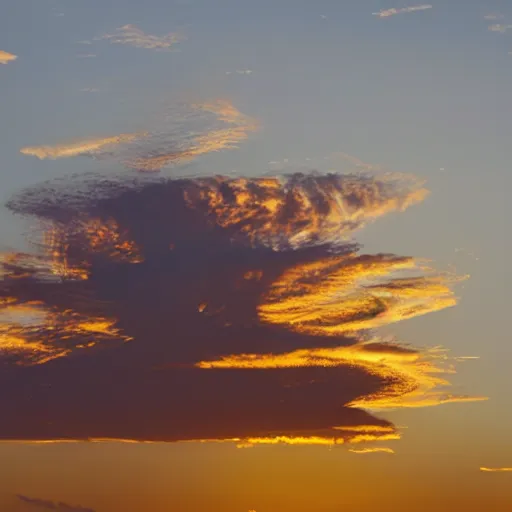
<point>186,322</point>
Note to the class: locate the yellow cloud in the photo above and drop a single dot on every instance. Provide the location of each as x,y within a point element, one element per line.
<point>133,36</point>
<point>496,470</point>
<point>6,57</point>
<point>372,450</point>
<point>78,148</point>
<point>412,378</point>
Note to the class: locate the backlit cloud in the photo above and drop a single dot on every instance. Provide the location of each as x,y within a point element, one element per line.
<point>52,505</point>
<point>496,470</point>
<point>216,309</point>
<point>401,10</point>
<point>133,36</point>
<point>6,57</point>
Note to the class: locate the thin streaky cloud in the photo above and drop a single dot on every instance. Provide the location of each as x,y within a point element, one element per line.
<point>86,55</point>
<point>493,16</point>
<point>6,57</point>
<point>385,13</point>
<point>53,505</point>
<point>89,89</point>
<point>240,72</point>
<point>372,450</point>
<point>133,36</point>
<point>496,470</point>
<point>81,147</point>
<point>499,27</point>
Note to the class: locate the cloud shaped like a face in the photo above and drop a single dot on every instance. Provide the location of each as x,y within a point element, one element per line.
<point>133,36</point>
<point>174,310</point>
<point>52,505</point>
<point>6,57</point>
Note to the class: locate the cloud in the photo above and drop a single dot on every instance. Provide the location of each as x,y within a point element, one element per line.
<point>133,36</point>
<point>499,27</point>
<point>240,72</point>
<point>89,89</point>
<point>401,10</point>
<point>162,310</point>
<point>184,134</point>
<point>85,147</point>
<point>6,57</point>
<point>86,55</point>
<point>52,505</point>
<point>493,16</point>
<point>372,450</point>
<point>496,470</point>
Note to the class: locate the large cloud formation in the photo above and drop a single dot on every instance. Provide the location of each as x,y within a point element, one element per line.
<point>225,309</point>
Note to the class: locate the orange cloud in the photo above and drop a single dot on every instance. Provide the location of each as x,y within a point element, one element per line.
<point>496,470</point>
<point>239,303</point>
<point>133,36</point>
<point>178,141</point>
<point>212,141</point>
<point>372,450</point>
<point>78,148</point>
<point>6,57</point>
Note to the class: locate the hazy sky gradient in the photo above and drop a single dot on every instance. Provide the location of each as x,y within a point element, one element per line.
<point>425,92</point>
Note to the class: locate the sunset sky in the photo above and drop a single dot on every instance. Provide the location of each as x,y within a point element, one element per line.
<point>254,256</point>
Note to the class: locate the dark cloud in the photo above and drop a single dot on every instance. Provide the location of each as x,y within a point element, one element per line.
<point>52,505</point>
<point>143,282</point>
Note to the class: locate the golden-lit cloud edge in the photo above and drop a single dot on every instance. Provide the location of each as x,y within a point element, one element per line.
<point>149,152</point>
<point>413,376</point>
<point>496,470</point>
<point>78,148</point>
<point>6,57</point>
<point>134,36</point>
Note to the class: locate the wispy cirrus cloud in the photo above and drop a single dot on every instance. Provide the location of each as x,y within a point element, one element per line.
<point>134,36</point>
<point>6,57</point>
<point>500,27</point>
<point>385,13</point>
<point>496,470</point>
<point>180,137</point>
<point>363,451</point>
<point>78,148</point>
<point>493,16</point>
<point>240,72</point>
<point>57,506</point>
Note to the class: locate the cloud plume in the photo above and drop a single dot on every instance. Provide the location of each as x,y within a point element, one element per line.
<point>133,36</point>
<point>385,13</point>
<point>218,309</point>
<point>6,57</point>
